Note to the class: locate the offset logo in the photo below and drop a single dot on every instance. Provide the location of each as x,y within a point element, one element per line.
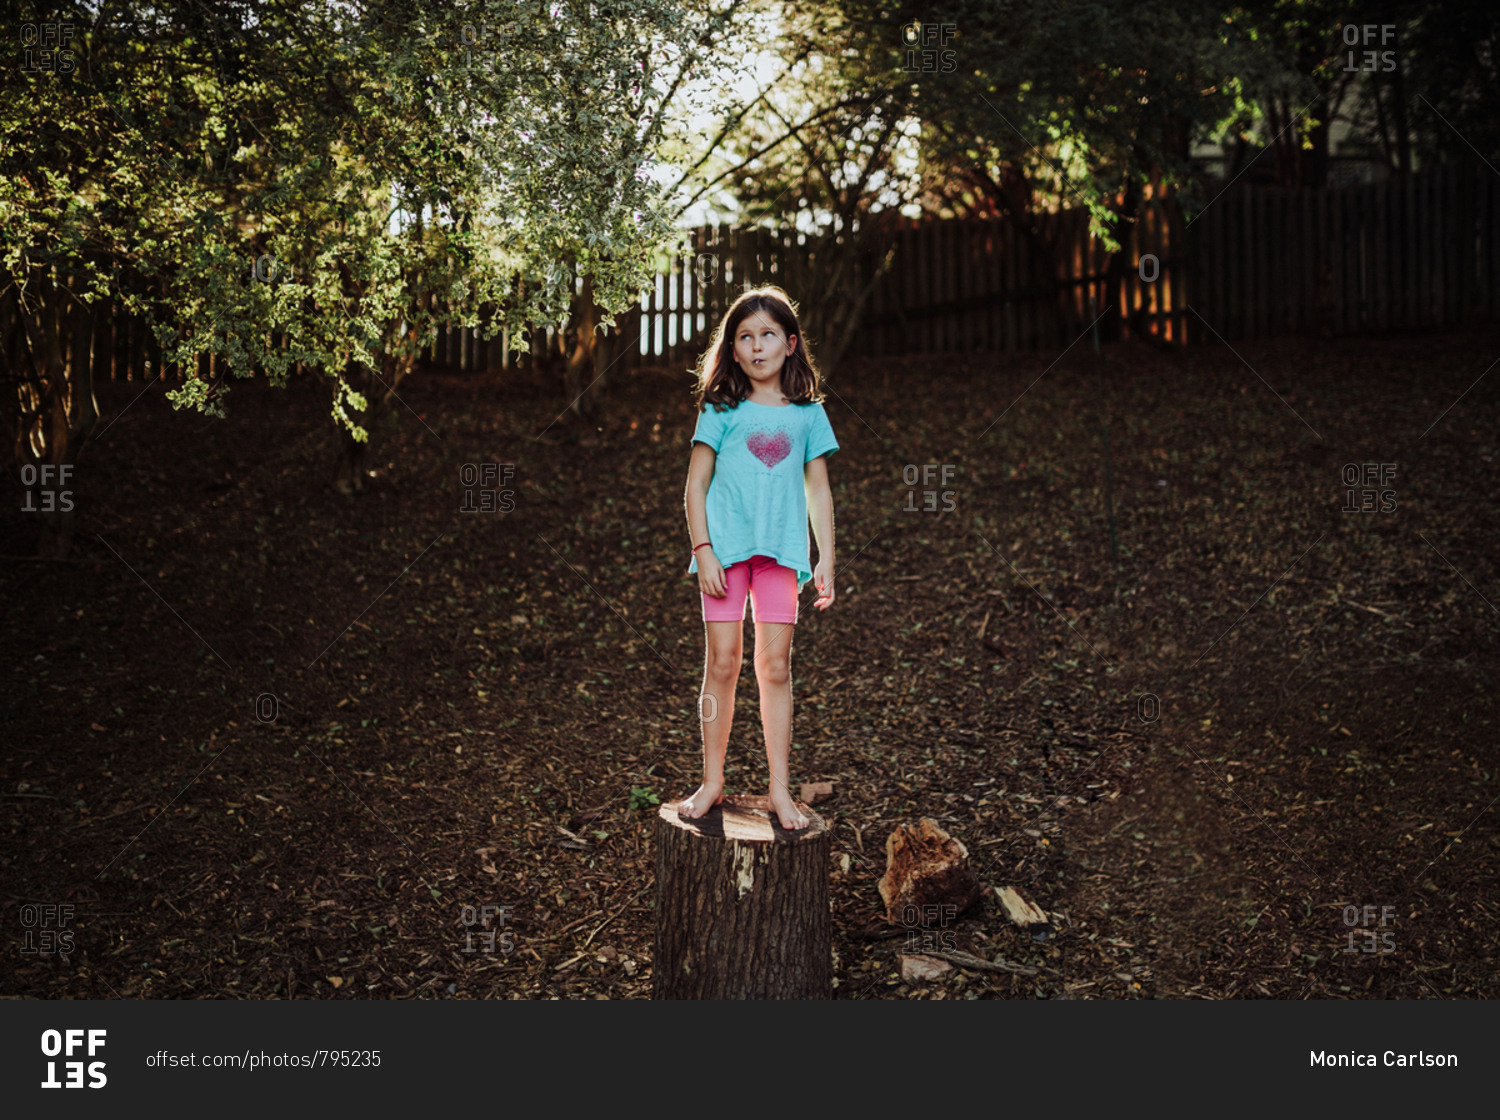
<point>65,1044</point>
<point>490,481</point>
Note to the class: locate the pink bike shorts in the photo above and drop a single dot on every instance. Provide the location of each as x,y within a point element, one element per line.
<point>772,588</point>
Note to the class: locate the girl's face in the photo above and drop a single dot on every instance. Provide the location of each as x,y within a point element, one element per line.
<point>761,347</point>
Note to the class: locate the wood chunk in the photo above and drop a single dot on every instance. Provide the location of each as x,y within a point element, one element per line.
<point>813,792</point>
<point>927,876</point>
<point>1021,912</point>
<point>916,968</point>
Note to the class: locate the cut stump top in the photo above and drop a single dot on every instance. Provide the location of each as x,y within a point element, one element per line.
<point>744,817</point>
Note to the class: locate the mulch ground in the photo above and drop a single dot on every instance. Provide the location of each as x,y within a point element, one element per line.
<point>264,740</point>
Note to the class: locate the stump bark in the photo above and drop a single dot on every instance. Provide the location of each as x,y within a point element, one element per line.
<point>742,906</point>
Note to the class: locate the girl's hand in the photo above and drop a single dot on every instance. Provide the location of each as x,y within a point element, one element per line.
<point>711,575</point>
<point>823,581</point>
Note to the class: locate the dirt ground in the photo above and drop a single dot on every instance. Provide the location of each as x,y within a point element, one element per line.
<point>263,740</point>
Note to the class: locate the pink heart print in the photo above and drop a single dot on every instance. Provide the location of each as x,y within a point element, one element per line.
<point>769,448</point>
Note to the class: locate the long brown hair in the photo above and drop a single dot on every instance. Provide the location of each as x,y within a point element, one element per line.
<point>722,383</point>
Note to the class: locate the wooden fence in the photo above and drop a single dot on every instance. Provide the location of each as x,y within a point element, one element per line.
<point>1255,263</point>
<point>1415,252</point>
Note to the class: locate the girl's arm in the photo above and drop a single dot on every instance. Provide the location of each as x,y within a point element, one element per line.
<point>700,474</point>
<point>820,505</point>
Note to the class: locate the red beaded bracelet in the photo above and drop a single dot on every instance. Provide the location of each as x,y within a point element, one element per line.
<point>696,547</point>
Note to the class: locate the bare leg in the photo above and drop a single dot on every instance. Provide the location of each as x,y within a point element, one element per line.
<point>773,670</point>
<point>725,645</point>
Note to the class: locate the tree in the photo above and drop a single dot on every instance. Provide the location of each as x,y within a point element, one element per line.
<point>1428,90</point>
<point>271,185</point>
<point>815,149</point>
<point>683,65</point>
<point>988,108</point>
<point>1411,79</point>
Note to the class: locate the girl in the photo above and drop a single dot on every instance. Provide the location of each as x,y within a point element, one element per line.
<point>757,471</point>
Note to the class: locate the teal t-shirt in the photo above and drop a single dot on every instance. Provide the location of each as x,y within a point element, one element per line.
<point>757,504</point>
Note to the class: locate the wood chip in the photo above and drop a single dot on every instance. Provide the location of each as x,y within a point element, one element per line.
<point>1019,911</point>
<point>920,967</point>
<point>813,792</point>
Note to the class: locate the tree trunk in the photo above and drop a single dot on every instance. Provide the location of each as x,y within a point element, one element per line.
<point>57,411</point>
<point>1112,327</point>
<point>1040,285</point>
<point>1315,159</point>
<point>1399,117</point>
<point>742,906</point>
<point>583,376</point>
<point>349,470</point>
<point>844,309</point>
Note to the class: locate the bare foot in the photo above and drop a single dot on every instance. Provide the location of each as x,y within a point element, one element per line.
<point>792,818</point>
<point>702,801</point>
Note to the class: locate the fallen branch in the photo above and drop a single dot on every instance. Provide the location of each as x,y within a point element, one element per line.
<point>968,960</point>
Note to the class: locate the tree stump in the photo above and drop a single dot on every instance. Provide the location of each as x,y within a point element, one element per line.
<point>741,905</point>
